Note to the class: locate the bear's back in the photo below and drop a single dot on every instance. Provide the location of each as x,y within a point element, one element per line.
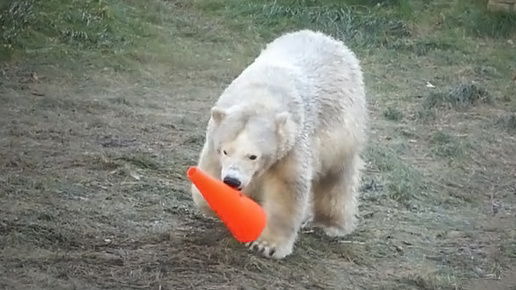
<point>322,69</point>
<point>309,51</point>
<point>328,68</point>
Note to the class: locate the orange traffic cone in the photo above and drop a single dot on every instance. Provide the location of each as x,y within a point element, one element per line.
<point>244,217</point>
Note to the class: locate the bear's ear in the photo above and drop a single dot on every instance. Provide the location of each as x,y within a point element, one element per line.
<point>218,114</point>
<point>281,119</point>
<point>285,127</point>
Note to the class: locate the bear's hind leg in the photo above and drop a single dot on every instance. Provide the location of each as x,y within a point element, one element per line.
<point>335,199</point>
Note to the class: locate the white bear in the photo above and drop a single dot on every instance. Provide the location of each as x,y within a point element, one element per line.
<point>289,132</point>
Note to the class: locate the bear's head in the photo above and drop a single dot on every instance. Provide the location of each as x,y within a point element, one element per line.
<point>248,140</point>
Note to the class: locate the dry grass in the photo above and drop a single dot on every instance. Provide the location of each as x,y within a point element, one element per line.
<point>96,142</point>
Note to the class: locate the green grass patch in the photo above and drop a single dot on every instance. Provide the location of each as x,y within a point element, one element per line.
<point>393,114</point>
<point>130,37</point>
<point>461,96</point>
<point>506,122</point>
<point>430,279</point>
<point>402,181</point>
<point>422,47</point>
<point>58,28</point>
<point>426,115</point>
<point>474,19</point>
<point>141,161</point>
<point>360,23</point>
<point>78,35</point>
<point>444,145</point>
<point>364,24</point>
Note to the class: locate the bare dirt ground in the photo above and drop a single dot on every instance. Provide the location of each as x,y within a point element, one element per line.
<point>93,160</point>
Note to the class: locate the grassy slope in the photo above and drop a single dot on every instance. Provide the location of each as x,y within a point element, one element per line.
<point>104,101</point>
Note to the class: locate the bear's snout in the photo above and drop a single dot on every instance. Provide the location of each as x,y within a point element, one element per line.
<point>233,182</point>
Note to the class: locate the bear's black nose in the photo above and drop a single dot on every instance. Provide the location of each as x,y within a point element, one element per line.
<point>233,182</point>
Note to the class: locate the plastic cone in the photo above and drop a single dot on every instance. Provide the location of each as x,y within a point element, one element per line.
<point>244,217</point>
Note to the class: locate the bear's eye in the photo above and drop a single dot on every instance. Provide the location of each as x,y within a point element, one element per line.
<point>252,157</point>
<point>224,151</point>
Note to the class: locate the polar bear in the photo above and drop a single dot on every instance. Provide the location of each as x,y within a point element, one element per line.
<point>289,133</point>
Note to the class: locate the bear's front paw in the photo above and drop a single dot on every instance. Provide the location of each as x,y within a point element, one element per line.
<point>270,249</point>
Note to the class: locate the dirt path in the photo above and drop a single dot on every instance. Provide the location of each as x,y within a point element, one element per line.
<point>95,197</point>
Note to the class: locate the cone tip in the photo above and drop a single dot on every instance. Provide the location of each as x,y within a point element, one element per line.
<point>191,171</point>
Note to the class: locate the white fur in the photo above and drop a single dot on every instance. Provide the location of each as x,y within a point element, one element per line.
<point>300,109</point>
